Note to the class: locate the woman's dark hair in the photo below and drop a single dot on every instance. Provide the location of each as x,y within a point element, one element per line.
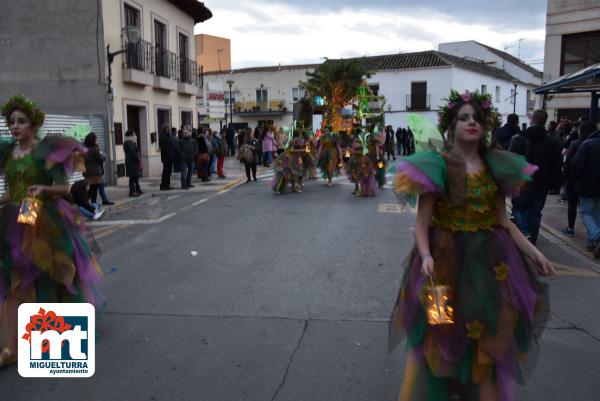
<point>129,133</point>
<point>552,126</point>
<point>480,117</point>
<point>90,140</point>
<point>585,129</point>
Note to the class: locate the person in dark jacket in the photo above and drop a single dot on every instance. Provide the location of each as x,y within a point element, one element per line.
<point>399,141</point>
<point>93,166</point>
<point>585,170</point>
<point>175,143</point>
<point>79,194</point>
<point>167,156</point>
<point>544,152</point>
<point>504,134</point>
<point>133,163</point>
<point>230,136</point>
<point>203,155</point>
<point>389,142</point>
<point>585,129</point>
<point>188,150</point>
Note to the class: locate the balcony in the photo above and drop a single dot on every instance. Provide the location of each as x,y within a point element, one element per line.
<point>274,107</point>
<point>420,102</point>
<point>165,70</point>
<point>137,68</point>
<point>188,77</point>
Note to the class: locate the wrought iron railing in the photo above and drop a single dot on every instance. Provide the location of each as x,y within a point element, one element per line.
<point>187,69</point>
<point>165,63</point>
<point>418,102</point>
<point>139,56</point>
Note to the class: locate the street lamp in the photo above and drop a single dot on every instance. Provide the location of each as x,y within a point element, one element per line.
<point>230,82</point>
<point>515,82</point>
<point>132,35</point>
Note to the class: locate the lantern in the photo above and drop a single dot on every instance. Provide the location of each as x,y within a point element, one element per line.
<point>307,149</point>
<point>380,164</point>
<point>437,298</point>
<point>347,154</point>
<point>29,211</point>
<point>340,164</point>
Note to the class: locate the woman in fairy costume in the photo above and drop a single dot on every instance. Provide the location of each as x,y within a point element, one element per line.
<point>309,167</point>
<point>50,261</point>
<point>288,167</point>
<point>329,154</point>
<point>470,259</point>
<point>359,168</point>
<point>377,160</point>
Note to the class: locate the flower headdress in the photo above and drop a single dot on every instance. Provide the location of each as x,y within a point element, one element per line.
<point>26,106</point>
<point>456,100</point>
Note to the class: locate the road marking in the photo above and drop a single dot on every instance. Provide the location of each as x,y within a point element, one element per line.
<point>132,222</point>
<point>170,198</point>
<point>199,202</point>
<point>394,208</point>
<point>564,270</point>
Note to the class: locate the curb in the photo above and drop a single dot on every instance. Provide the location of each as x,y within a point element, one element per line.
<point>560,237</point>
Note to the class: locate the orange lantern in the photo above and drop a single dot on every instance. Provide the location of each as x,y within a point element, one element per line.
<point>29,211</point>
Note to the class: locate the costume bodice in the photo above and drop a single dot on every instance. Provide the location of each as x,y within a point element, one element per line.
<point>23,172</point>
<point>477,213</point>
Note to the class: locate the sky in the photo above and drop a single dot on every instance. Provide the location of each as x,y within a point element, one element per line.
<point>272,32</point>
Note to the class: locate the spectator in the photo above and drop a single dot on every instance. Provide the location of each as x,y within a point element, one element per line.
<point>167,157</point>
<point>268,146</point>
<point>210,169</point>
<point>188,149</point>
<point>248,154</point>
<point>389,142</point>
<point>102,187</point>
<point>544,152</point>
<point>563,130</point>
<point>504,134</point>
<point>203,156</point>
<point>585,129</point>
<point>220,153</point>
<point>230,136</point>
<point>79,194</point>
<point>175,143</point>
<point>93,166</point>
<point>585,170</point>
<point>280,140</point>
<point>552,126</point>
<point>133,163</point>
<point>399,141</point>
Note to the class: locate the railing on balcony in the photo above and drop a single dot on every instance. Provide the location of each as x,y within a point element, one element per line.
<point>139,56</point>
<point>273,105</point>
<point>418,102</point>
<point>187,69</point>
<point>165,63</point>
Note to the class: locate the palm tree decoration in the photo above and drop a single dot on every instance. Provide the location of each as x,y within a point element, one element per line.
<point>337,82</point>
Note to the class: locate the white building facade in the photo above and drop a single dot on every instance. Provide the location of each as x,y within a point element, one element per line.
<point>155,81</point>
<point>572,43</point>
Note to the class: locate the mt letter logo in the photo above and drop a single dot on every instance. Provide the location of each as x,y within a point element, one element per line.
<point>57,340</point>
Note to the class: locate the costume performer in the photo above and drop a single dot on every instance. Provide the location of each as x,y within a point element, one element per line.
<point>308,158</point>
<point>377,160</point>
<point>479,263</point>
<point>51,260</point>
<point>329,156</point>
<point>359,168</point>
<point>288,167</point>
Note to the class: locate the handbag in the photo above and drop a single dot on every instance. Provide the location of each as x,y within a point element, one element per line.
<point>246,154</point>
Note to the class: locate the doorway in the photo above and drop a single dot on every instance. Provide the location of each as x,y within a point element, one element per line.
<point>186,118</point>
<point>137,122</point>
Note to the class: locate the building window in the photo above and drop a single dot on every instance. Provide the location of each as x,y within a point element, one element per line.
<point>418,99</point>
<point>163,118</point>
<point>579,50</point>
<point>132,16</point>
<point>484,89</point>
<point>262,98</point>
<point>186,118</point>
<point>297,94</point>
<point>160,48</point>
<point>185,66</point>
<point>497,94</point>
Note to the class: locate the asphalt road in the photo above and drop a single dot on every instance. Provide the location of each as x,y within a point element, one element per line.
<point>287,298</point>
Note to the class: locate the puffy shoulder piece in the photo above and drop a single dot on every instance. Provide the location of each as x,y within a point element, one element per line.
<point>420,173</point>
<point>62,150</point>
<point>5,149</point>
<point>511,171</point>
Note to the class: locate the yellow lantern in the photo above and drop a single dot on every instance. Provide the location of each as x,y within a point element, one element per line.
<point>437,298</point>
<point>307,149</point>
<point>380,164</point>
<point>29,211</point>
<point>347,154</point>
<point>340,164</point>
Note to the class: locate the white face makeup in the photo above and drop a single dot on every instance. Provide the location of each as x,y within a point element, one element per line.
<point>467,128</point>
<point>20,126</point>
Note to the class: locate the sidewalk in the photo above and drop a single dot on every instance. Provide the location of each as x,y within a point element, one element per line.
<point>554,219</point>
<point>233,169</point>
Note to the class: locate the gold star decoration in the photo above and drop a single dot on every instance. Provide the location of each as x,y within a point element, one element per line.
<point>474,329</point>
<point>501,271</point>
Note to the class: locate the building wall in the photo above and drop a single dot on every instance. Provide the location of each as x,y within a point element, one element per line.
<point>213,53</point>
<point>52,60</point>
<point>279,84</point>
<point>146,96</point>
<point>563,18</point>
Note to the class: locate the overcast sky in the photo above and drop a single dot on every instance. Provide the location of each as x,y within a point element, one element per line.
<point>292,32</point>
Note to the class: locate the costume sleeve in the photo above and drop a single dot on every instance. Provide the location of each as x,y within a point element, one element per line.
<point>420,173</point>
<point>511,171</point>
<point>63,151</point>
